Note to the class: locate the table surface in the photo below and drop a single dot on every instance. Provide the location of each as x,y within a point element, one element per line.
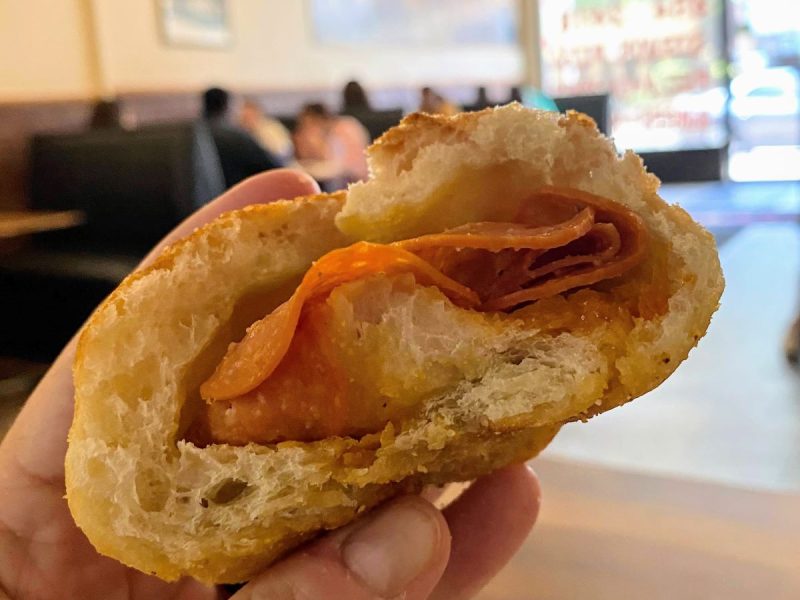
<point>18,222</point>
<point>607,534</point>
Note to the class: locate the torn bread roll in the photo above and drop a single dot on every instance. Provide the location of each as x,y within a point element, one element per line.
<point>289,366</point>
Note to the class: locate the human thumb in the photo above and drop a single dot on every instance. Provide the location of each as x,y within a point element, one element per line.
<point>399,550</point>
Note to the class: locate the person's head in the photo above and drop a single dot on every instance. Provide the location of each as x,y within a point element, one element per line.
<point>354,96</point>
<point>215,103</point>
<point>316,114</point>
<point>106,114</point>
<point>430,101</point>
<point>251,113</point>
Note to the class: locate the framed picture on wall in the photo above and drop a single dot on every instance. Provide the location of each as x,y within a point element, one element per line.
<point>196,23</point>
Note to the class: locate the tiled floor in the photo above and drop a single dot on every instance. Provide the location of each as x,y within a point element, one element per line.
<point>731,413</point>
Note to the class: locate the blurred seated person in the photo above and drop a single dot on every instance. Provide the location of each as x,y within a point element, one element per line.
<point>435,104</point>
<point>239,154</point>
<point>330,147</point>
<point>107,113</point>
<point>268,132</point>
<point>354,99</point>
<point>482,101</point>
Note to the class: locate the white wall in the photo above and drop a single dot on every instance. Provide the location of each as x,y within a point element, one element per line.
<point>45,50</point>
<point>274,47</point>
<point>51,49</point>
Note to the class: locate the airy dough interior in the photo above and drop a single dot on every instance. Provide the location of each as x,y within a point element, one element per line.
<point>221,513</point>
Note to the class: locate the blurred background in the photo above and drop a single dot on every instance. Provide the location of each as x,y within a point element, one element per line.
<point>118,118</point>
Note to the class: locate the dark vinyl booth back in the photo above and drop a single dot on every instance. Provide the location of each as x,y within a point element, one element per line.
<point>133,186</point>
<point>376,122</point>
<point>596,107</point>
<point>704,164</point>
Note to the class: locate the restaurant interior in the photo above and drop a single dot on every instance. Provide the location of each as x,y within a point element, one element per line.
<point>120,118</point>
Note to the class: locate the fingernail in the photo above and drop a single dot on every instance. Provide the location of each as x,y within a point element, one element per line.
<point>390,551</point>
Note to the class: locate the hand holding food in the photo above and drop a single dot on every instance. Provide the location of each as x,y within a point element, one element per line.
<point>290,366</point>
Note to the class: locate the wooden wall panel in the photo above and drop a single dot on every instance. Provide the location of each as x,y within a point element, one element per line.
<point>18,123</point>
